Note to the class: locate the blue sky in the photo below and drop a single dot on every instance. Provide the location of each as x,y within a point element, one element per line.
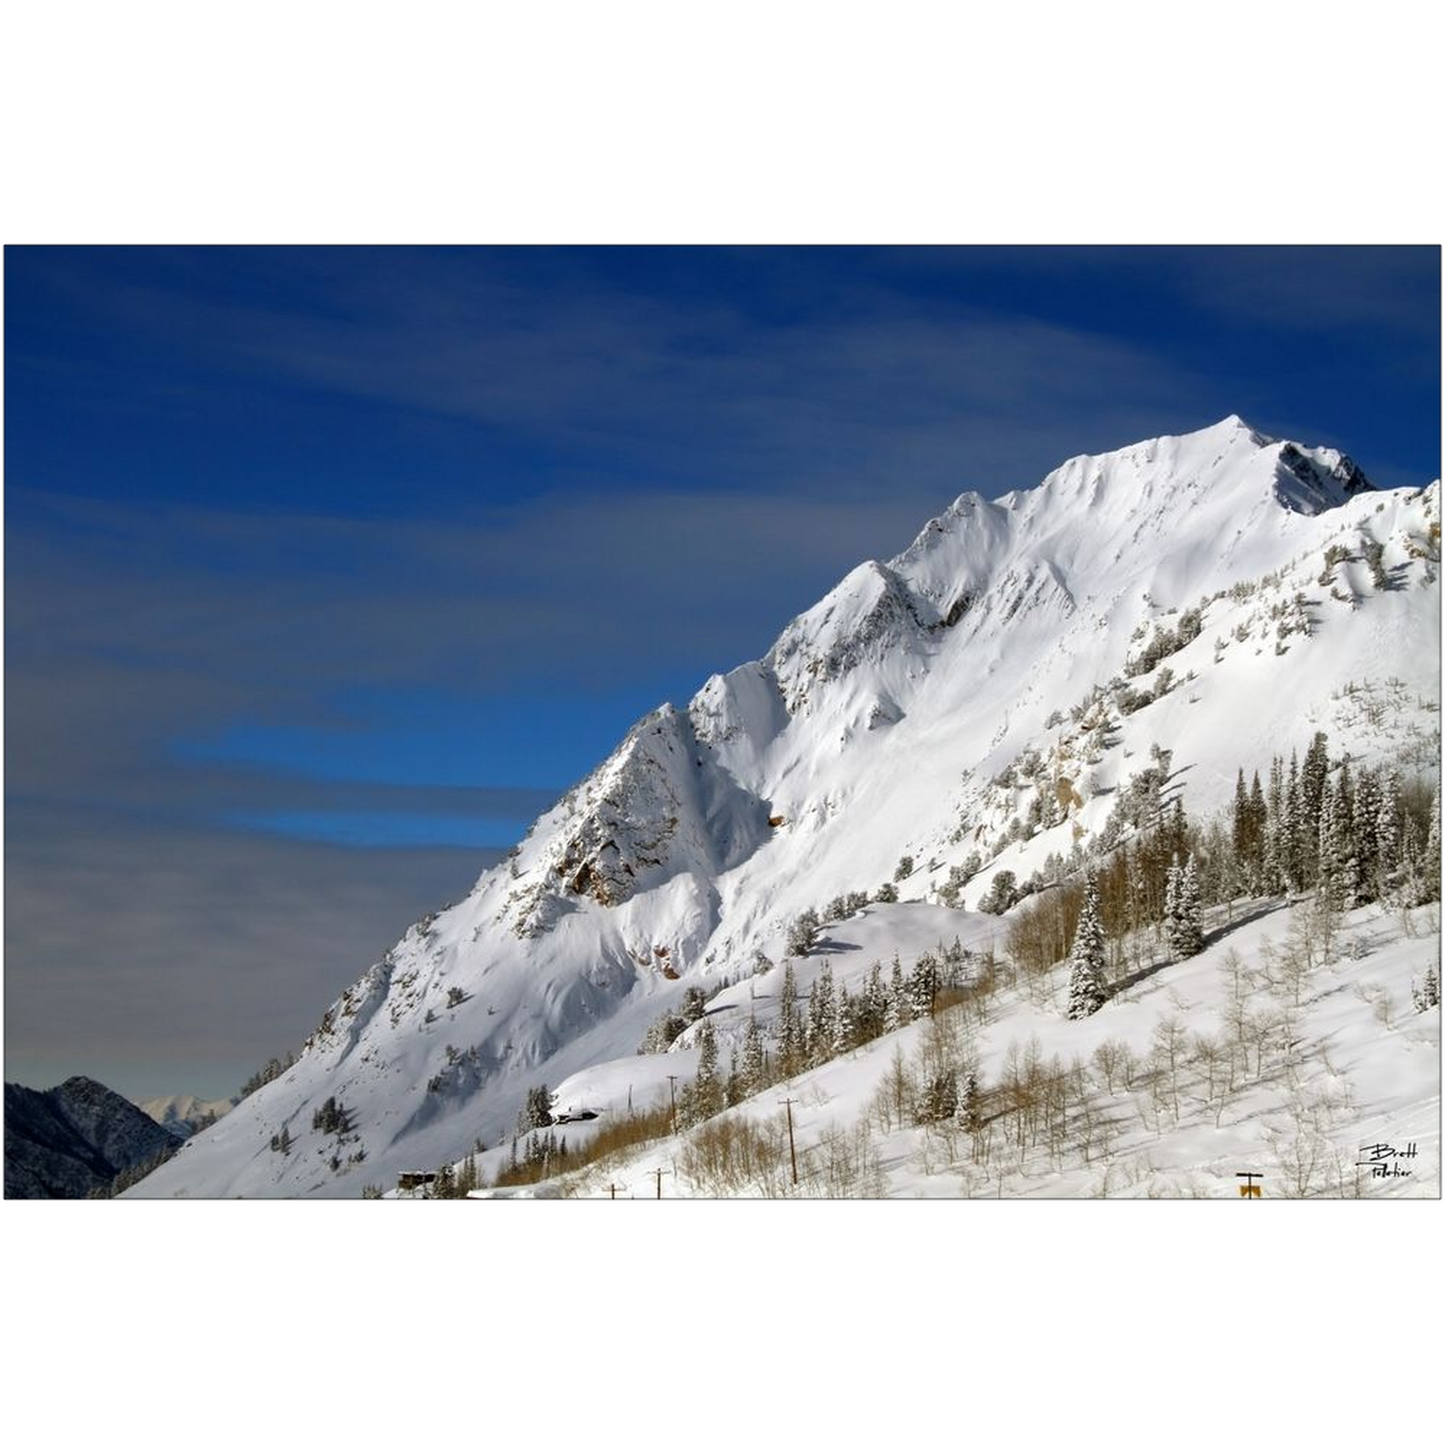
<point>339,565</point>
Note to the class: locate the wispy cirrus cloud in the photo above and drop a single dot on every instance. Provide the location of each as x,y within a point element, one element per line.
<point>382,547</point>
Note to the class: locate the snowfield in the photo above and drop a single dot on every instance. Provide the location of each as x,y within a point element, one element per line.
<point>977,704</point>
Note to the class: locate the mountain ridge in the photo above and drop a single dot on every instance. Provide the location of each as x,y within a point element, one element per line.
<point>65,1142</point>
<point>858,737</point>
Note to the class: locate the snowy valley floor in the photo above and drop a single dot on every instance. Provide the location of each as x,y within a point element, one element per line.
<point>1279,1051</point>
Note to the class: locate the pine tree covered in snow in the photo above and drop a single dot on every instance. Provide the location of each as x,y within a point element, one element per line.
<point>790,1028</point>
<point>1087,991</point>
<point>874,1012</point>
<point>845,1022</point>
<point>703,1096</point>
<point>536,1112</point>
<point>1387,832</point>
<point>1182,920</point>
<point>754,1068</point>
<point>923,985</point>
<point>1314,776</point>
<point>1426,994</point>
<point>1273,880</point>
<point>899,1010</point>
<point>968,1113</point>
<point>1336,867</point>
<point>1367,833</point>
<point>1292,833</point>
<point>822,1017</point>
<point>1432,853</point>
<point>939,1098</point>
<point>803,934</point>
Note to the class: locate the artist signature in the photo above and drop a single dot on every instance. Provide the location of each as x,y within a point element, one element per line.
<point>1384,1161</point>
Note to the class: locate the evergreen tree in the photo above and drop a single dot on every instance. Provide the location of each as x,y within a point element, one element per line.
<point>900,1006</point>
<point>803,934</point>
<point>1327,883</point>
<point>754,1073</point>
<point>1346,843</point>
<point>705,1082</point>
<point>1337,866</point>
<point>969,1114</point>
<point>923,985</point>
<point>1410,886</point>
<point>822,1019</point>
<point>331,1118</point>
<point>875,1005</point>
<point>1368,796</point>
<point>1086,978</point>
<point>1171,894</point>
<point>1292,832</point>
<point>1258,822</point>
<point>733,1089</point>
<point>1313,776</point>
<point>1426,994</point>
<point>1387,832</point>
<point>845,1023</point>
<point>790,1032</point>
<point>939,1100</point>
<point>1274,845</point>
<point>536,1112</point>
<point>1431,872</point>
<point>1186,936</point>
<point>702,1096</point>
<point>1241,822</point>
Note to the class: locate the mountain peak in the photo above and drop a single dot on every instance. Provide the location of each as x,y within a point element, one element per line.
<point>1233,424</point>
<point>978,704</point>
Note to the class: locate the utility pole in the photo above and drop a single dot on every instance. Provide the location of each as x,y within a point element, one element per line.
<point>672,1089</point>
<point>792,1151</point>
<point>659,1172</point>
<point>612,1191</point>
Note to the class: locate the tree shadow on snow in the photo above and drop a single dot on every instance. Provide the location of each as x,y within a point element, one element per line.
<point>1250,913</point>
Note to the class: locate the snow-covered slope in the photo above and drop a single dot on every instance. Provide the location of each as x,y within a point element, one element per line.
<point>1335,1076</point>
<point>1181,593</point>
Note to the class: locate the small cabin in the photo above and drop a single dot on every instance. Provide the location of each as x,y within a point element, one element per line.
<point>411,1180</point>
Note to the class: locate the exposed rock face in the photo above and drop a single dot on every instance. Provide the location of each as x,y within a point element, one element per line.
<point>64,1142</point>
<point>659,806</point>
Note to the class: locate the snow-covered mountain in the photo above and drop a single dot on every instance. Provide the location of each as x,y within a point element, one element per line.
<point>1220,595</point>
<point>184,1114</point>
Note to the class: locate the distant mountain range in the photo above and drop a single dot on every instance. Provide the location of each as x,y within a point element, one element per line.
<point>184,1114</point>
